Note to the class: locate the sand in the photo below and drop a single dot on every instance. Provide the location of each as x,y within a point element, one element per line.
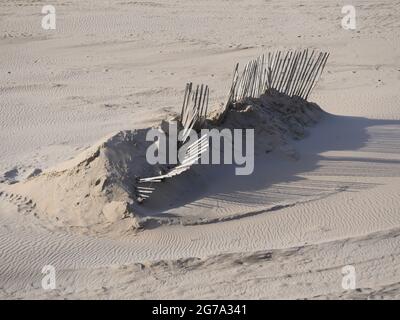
<point>315,205</point>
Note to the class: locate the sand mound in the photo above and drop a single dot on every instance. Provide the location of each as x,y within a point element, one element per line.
<point>275,117</point>
<point>96,189</point>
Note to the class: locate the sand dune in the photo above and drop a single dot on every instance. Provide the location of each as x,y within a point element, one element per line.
<point>97,190</point>
<point>285,232</point>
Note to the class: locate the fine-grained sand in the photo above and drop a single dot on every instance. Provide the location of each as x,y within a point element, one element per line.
<point>285,233</point>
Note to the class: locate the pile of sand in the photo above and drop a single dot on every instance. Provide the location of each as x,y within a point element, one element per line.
<point>96,190</point>
<point>275,117</point>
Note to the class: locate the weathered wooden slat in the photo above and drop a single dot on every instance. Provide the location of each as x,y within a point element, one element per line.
<point>318,73</point>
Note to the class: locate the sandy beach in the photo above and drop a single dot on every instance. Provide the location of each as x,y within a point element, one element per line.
<point>318,201</point>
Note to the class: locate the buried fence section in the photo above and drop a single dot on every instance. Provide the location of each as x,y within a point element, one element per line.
<point>194,108</point>
<point>193,115</point>
<point>292,72</point>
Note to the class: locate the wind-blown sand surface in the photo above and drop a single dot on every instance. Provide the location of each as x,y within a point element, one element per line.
<point>285,232</point>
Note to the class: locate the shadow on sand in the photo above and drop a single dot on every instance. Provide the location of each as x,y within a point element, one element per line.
<point>278,179</point>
